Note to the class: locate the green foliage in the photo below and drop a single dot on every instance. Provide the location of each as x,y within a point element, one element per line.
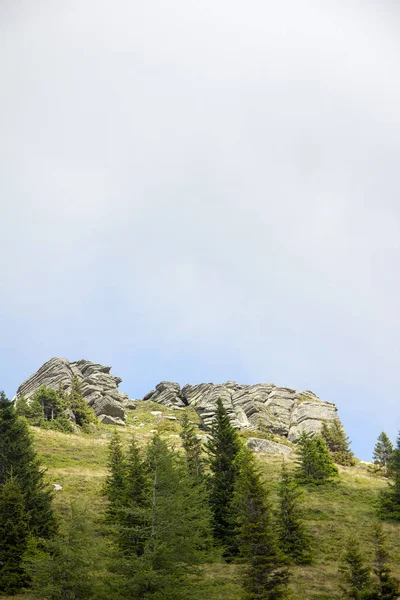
<point>18,459</point>
<point>223,448</point>
<point>192,446</point>
<point>84,415</point>
<point>383,451</point>
<point>294,540</point>
<point>61,569</point>
<point>166,529</point>
<point>116,482</point>
<point>13,536</point>
<point>386,588</point>
<point>389,503</point>
<point>355,575</point>
<point>338,443</point>
<point>265,574</point>
<point>315,464</point>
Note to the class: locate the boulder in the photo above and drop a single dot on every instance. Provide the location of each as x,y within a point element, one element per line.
<point>261,445</point>
<point>99,387</point>
<point>108,420</point>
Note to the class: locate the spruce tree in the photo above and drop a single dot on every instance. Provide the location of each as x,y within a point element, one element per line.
<point>84,414</point>
<point>383,451</point>
<point>116,483</point>
<point>14,533</point>
<point>355,575</point>
<point>192,446</point>
<point>294,540</point>
<point>315,464</point>
<point>389,501</point>
<point>386,588</point>
<point>338,443</point>
<point>61,569</point>
<point>223,448</point>
<point>18,458</point>
<point>265,575</point>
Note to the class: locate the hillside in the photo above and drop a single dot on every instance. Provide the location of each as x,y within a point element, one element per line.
<point>79,464</point>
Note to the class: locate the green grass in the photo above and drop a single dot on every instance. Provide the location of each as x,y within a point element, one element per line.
<point>332,512</point>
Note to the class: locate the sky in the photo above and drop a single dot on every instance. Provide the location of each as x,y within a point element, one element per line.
<point>205,191</point>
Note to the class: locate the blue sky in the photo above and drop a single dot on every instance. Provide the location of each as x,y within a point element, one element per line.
<point>205,192</point>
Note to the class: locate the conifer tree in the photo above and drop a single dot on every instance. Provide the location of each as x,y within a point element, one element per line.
<point>18,458</point>
<point>389,504</point>
<point>175,533</point>
<point>265,576</point>
<point>192,446</point>
<point>294,540</point>
<point>116,483</point>
<point>386,588</point>
<point>383,451</point>
<point>62,568</point>
<point>13,537</point>
<point>223,448</point>
<point>315,464</point>
<point>338,443</point>
<point>354,573</point>
<point>84,415</point>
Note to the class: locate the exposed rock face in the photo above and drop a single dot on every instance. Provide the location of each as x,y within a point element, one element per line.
<point>260,445</point>
<point>284,411</point>
<point>99,387</point>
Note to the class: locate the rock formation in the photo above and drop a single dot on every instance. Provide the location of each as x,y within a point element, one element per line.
<point>99,387</point>
<point>284,411</point>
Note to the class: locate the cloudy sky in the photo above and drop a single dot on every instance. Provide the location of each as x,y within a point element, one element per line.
<point>203,191</point>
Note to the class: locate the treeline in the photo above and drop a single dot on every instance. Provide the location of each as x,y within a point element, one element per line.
<point>59,410</point>
<point>168,514</point>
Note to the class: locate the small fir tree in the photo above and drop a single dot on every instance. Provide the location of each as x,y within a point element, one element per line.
<point>116,483</point>
<point>383,451</point>
<point>389,501</point>
<point>355,575</point>
<point>18,458</point>
<point>294,540</point>
<point>14,533</point>
<point>386,588</point>
<point>265,575</point>
<point>315,464</point>
<point>338,443</point>
<point>192,446</point>
<point>84,414</point>
<point>223,448</point>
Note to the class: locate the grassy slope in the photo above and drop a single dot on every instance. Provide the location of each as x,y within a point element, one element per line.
<point>78,463</point>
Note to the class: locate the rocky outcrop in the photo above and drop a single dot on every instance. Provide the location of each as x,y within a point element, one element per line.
<point>99,387</point>
<point>261,445</point>
<point>281,410</point>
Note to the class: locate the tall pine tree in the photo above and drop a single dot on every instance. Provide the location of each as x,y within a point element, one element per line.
<point>386,588</point>
<point>116,482</point>
<point>383,451</point>
<point>338,443</point>
<point>265,576</point>
<point>223,448</point>
<point>389,505</point>
<point>355,575</point>
<point>14,533</point>
<point>315,464</point>
<point>18,458</point>
<point>294,540</point>
<point>192,446</point>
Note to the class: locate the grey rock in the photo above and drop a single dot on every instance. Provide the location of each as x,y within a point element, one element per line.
<point>57,487</point>
<point>170,418</point>
<point>99,387</point>
<point>156,413</point>
<point>281,410</point>
<point>260,445</point>
<point>108,420</point>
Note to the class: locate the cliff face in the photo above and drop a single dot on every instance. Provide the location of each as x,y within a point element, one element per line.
<point>99,387</point>
<point>280,410</point>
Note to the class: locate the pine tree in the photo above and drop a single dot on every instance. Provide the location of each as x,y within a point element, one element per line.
<point>115,487</point>
<point>389,501</point>
<point>315,464</point>
<point>266,576</point>
<point>338,443</point>
<point>175,535</point>
<point>295,542</point>
<point>192,446</point>
<point>62,568</point>
<point>354,573</point>
<point>387,588</point>
<point>13,537</point>
<point>84,415</point>
<point>223,448</point>
<point>18,458</point>
<point>383,451</point>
